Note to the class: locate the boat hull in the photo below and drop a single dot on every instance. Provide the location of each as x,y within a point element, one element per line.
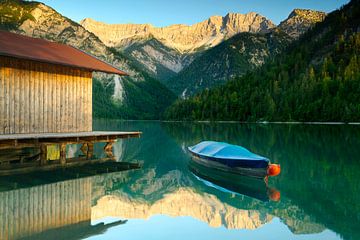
<point>246,171</point>
<point>244,163</point>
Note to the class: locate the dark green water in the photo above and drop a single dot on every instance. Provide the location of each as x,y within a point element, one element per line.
<point>318,185</point>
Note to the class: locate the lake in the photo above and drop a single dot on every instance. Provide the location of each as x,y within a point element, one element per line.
<point>316,196</point>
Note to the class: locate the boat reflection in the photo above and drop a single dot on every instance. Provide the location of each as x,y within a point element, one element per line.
<point>234,183</point>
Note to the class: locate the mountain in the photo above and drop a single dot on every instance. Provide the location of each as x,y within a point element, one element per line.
<point>157,59</point>
<point>300,20</point>
<point>137,96</point>
<point>234,57</point>
<point>181,37</point>
<point>242,53</point>
<point>164,51</point>
<point>188,59</point>
<point>316,79</point>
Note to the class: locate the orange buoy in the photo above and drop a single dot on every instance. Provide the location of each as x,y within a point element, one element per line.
<point>274,195</point>
<point>273,170</point>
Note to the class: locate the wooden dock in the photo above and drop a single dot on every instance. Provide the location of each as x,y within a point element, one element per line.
<point>21,140</point>
<point>13,162</point>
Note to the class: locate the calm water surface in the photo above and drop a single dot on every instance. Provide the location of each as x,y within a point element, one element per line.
<point>170,198</point>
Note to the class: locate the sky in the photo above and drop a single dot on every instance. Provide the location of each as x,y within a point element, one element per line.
<point>166,12</point>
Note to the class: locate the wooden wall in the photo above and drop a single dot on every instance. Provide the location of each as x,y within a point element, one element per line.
<point>38,97</point>
<point>25,212</point>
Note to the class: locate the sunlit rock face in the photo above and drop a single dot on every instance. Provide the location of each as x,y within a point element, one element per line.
<point>184,38</point>
<point>184,202</point>
<point>300,20</point>
<point>165,51</point>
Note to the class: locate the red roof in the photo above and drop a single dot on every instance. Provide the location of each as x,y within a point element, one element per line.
<point>19,46</point>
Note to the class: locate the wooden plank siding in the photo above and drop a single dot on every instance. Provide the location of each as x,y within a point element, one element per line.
<point>28,211</point>
<point>44,98</point>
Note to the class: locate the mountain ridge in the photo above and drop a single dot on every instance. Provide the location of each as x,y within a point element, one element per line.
<point>185,43</point>
<point>241,53</point>
<point>184,38</point>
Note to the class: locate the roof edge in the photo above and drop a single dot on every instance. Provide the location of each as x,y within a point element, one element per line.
<point>100,66</point>
<point>121,73</point>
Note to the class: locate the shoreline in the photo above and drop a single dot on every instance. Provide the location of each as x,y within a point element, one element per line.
<point>241,122</point>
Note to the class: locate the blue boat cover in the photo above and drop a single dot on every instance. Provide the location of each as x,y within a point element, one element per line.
<point>228,154</point>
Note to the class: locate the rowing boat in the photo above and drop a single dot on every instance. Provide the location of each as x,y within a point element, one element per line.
<point>233,158</point>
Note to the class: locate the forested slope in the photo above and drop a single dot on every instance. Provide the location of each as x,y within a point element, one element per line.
<point>316,79</point>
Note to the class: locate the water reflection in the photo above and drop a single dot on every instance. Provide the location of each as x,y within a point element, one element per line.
<point>318,186</point>
<point>318,183</point>
<point>234,183</point>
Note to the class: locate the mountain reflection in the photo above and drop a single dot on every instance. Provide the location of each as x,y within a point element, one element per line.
<point>317,184</point>
<point>183,202</point>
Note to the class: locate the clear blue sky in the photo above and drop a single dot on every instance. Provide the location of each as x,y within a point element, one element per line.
<point>166,12</point>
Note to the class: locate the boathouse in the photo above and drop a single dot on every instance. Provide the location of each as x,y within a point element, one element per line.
<point>46,99</point>
<point>45,87</point>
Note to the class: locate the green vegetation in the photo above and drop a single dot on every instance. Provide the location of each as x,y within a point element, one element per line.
<point>143,100</point>
<point>14,12</point>
<point>316,79</point>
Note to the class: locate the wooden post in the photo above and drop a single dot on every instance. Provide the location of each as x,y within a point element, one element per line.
<point>90,150</point>
<point>43,154</point>
<point>62,153</point>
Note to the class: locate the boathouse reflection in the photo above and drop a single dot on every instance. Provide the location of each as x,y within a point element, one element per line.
<point>55,203</point>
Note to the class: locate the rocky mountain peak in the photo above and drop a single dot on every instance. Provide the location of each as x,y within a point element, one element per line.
<point>307,14</point>
<point>300,20</point>
<point>184,38</point>
<point>216,20</point>
<point>250,22</point>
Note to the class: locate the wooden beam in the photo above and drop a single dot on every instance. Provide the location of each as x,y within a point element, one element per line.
<point>10,169</point>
